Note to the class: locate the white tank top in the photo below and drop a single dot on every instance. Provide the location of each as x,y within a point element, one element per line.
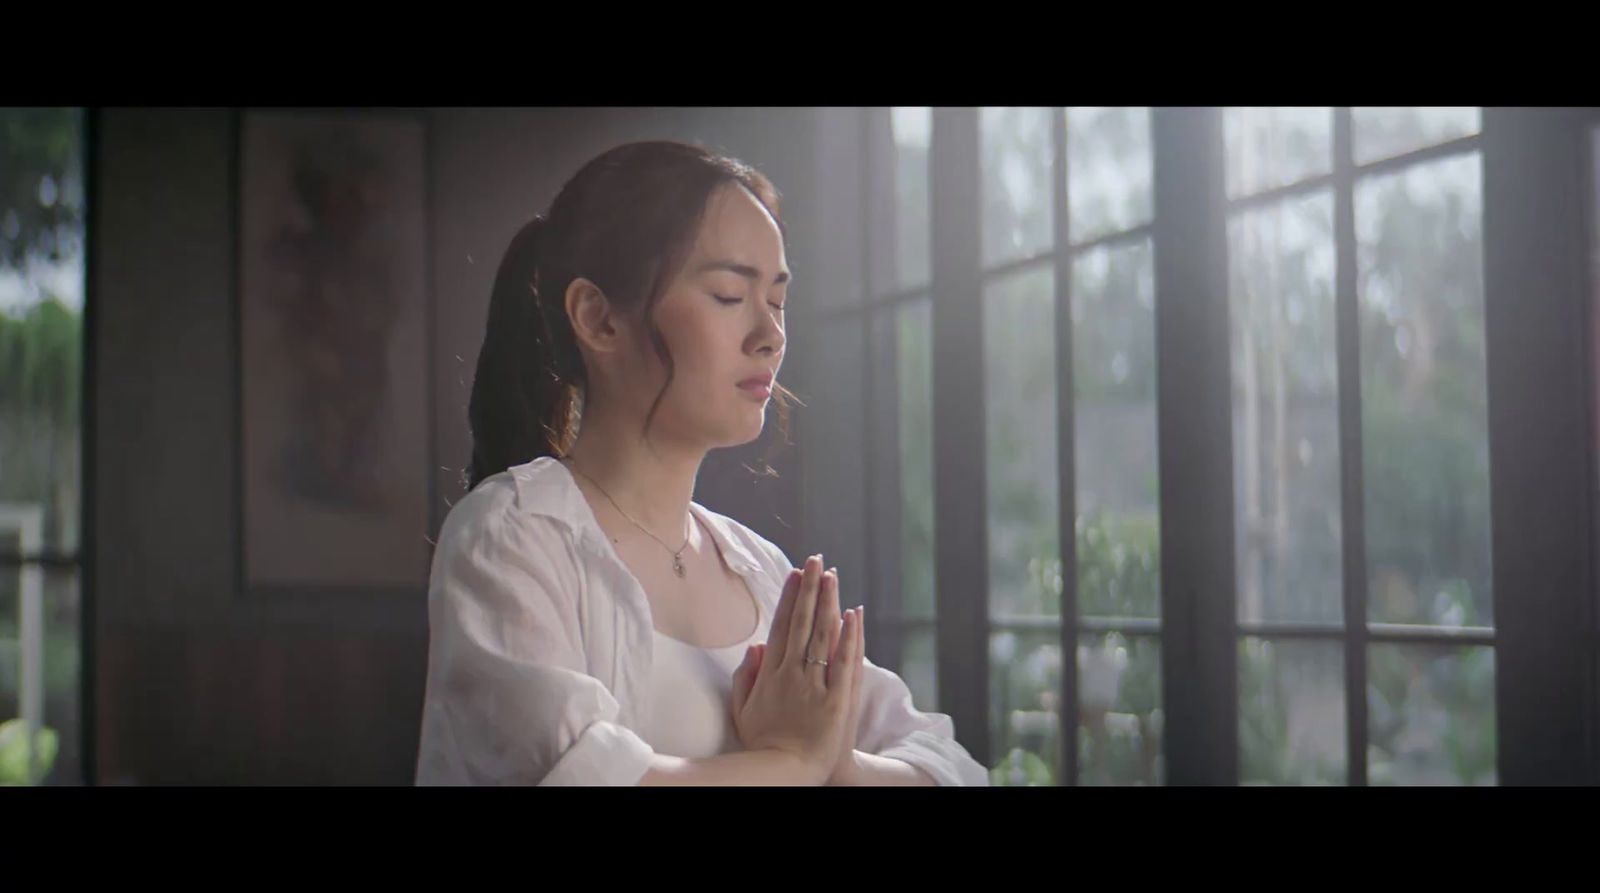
<point>691,695</point>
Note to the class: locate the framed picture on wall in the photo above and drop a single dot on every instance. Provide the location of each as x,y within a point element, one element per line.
<point>333,350</point>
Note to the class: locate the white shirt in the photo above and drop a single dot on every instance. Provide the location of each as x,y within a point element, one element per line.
<point>691,698</point>
<point>542,647</point>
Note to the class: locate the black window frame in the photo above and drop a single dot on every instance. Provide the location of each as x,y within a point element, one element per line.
<point>1537,197</point>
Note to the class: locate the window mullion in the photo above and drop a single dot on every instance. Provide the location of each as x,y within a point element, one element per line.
<point>960,508</point>
<point>1066,454</point>
<point>1195,442</point>
<point>1541,445</point>
<point>1352,507</point>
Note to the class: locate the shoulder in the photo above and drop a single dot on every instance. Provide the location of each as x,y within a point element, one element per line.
<point>538,497</point>
<point>511,520</point>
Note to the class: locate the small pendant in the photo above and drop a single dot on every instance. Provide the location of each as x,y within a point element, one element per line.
<point>677,566</point>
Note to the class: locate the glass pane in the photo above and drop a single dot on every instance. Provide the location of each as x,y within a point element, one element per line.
<point>1285,411</point>
<point>1108,170</point>
<point>1119,718</point>
<point>41,320</point>
<point>1423,395</point>
<point>1430,715</point>
<point>832,437</point>
<point>1020,420</point>
<point>901,460</point>
<point>1114,406</point>
<point>1291,712</point>
<point>919,666</point>
<point>914,331</point>
<point>1024,699</point>
<point>1016,158</point>
<point>39,670</point>
<point>839,281</point>
<point>913,133</point>
<point>1271,147</point>
<point>1385,132</point>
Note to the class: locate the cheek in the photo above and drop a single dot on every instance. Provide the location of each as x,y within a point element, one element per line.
<point>704,345</point>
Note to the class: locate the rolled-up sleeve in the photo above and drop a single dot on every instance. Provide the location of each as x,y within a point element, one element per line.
<point>891,726</point>
<point>509,700</point>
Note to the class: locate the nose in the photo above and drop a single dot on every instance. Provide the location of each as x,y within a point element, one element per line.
<point>768,338</point>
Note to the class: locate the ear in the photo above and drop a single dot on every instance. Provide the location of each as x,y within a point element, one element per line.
<point>594,322</point>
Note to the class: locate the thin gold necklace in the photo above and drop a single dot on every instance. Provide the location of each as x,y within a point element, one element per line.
<point>677,555</point>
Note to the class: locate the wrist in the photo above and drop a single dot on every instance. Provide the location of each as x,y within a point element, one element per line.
<point>849,769</point>
<point>791,768</point>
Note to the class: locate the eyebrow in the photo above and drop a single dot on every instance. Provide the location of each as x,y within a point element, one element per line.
<point>744,270</point>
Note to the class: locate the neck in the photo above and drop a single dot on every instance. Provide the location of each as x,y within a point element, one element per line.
<point>652,482</point>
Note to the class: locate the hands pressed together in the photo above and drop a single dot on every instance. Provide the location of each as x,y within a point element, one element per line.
<point>800,691</point>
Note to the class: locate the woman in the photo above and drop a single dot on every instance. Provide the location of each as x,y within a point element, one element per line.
<point>591,624</point>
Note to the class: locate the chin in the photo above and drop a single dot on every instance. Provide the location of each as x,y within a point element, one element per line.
<point>739,432</point>
<point>748,434</point>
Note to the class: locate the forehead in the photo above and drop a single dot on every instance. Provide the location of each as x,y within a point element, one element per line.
<point>737,227</point>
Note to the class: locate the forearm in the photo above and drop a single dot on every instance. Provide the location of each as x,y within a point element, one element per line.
<point>746,767</point>
<point>865,769</point>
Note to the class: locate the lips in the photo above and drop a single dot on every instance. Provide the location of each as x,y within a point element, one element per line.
<point>759,386</point>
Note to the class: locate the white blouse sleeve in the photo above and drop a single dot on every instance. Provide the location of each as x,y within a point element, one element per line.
<point>891,725</point>
<point>509,698</point>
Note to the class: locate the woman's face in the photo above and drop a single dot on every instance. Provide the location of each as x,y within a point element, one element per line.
<point>722,321</point>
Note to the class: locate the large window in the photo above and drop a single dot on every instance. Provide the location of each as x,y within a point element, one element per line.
<point>1097,261</point>
<point>1412,178</point>
<point>1360,600</point>
<point>898,273</point>
<point>41,333</point>
<point>866,433</point>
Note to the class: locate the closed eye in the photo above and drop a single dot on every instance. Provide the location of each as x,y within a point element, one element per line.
<point>724,299</point>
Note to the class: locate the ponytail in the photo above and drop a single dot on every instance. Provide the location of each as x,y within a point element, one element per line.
<point>529,378</point>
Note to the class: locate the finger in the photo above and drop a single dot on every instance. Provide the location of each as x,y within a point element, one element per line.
<point>860,661</point>
<point>861,635</point>
<point>805,609</point>
<point>833,650</point>
<point>743,678</point>
<point>850,671</point>
<point>837,675</point>
<point>778,635</point>
<point>843,682</point>
<point>829,625</point>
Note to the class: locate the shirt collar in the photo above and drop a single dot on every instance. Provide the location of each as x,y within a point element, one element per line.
<point>546,487</point>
